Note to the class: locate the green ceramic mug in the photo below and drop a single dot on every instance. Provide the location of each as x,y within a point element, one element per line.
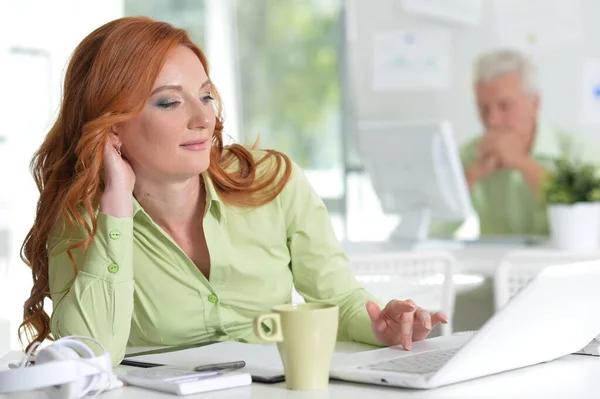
<point>306,335</point>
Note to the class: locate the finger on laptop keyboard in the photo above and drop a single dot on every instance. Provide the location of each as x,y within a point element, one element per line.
<point>439,317</point>
<point>406,329</point>
<point>424,318</point>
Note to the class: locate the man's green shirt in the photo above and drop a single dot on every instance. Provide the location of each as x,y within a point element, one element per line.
<point>504,201</point>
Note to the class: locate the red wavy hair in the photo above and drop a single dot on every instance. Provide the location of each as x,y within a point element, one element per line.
<point>108,80</point>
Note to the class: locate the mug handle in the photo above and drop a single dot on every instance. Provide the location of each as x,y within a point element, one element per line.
<point>275,335</point>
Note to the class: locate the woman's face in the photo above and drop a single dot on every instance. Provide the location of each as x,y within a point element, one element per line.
<point>171,138</point>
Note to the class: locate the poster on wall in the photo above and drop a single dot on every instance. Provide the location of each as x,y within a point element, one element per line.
<point>532,24</point>
<point>411,60</point>
<point>462,11</point>
<point>590,104</point>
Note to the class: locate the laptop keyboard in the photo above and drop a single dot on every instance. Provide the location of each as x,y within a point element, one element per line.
<point>421,363</point>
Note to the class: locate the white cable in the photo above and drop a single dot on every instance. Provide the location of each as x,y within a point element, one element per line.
<point>85,338</point>
<point>106,374</point>
<point>29,354</point>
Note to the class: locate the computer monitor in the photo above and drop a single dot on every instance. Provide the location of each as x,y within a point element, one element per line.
<point>416,172</point>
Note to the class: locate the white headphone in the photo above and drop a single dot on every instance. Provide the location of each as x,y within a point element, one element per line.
<point>66,369</point>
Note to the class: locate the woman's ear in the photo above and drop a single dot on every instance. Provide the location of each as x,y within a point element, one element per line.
<point>114,136</point>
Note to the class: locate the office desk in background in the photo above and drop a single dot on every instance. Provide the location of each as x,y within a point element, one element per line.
<point>573,376</point>
<point>477,258</point>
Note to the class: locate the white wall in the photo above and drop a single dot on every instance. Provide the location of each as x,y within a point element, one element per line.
<point>36,40</point>
<point>560,68</point>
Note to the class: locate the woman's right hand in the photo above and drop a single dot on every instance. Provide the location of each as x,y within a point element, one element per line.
<point>119,179</point>
<point>118,174</point>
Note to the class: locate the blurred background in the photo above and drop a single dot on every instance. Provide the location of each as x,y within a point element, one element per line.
<point>301,76</point>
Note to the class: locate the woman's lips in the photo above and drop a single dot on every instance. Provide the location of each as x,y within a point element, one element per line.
<point>196,145</point>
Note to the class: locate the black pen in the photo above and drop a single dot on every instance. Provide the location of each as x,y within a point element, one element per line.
<point>135,363</point>
<point>221,366</point>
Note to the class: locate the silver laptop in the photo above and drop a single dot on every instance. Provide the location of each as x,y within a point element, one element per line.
<point>557,314</point>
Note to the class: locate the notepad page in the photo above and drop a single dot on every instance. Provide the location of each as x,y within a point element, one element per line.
<point>261,360</point>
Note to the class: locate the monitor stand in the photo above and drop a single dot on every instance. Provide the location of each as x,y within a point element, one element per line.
<point>427,244</point>
<point>591,349</point>
<point>411,234</point>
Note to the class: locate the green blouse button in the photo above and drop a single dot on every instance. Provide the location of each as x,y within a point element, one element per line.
<point>115,234</point>
<point>212,298</point>
<point>113,268</point>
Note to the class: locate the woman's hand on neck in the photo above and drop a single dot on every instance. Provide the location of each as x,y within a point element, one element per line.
<point>173,205</point>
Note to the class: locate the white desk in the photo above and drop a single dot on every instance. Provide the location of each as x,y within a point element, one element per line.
<point>570,377</point>
<point>573,376</point>
<point>482,259</point>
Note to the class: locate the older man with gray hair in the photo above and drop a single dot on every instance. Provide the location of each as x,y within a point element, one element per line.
<point>505,166</point>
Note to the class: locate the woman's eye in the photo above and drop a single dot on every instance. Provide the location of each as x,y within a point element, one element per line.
<point>167,104</point>
<point>207,99</point>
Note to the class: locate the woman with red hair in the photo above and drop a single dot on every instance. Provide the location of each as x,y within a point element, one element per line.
<point>149,231</point>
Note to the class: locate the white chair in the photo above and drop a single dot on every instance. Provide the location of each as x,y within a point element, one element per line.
<point>517,268</point>
<point>424,277</point>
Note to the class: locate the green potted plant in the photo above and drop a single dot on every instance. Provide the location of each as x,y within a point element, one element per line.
<point>571,191</point>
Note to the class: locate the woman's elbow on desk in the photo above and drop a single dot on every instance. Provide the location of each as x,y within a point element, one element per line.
<point>115,345</point>
<point>110,329</point>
